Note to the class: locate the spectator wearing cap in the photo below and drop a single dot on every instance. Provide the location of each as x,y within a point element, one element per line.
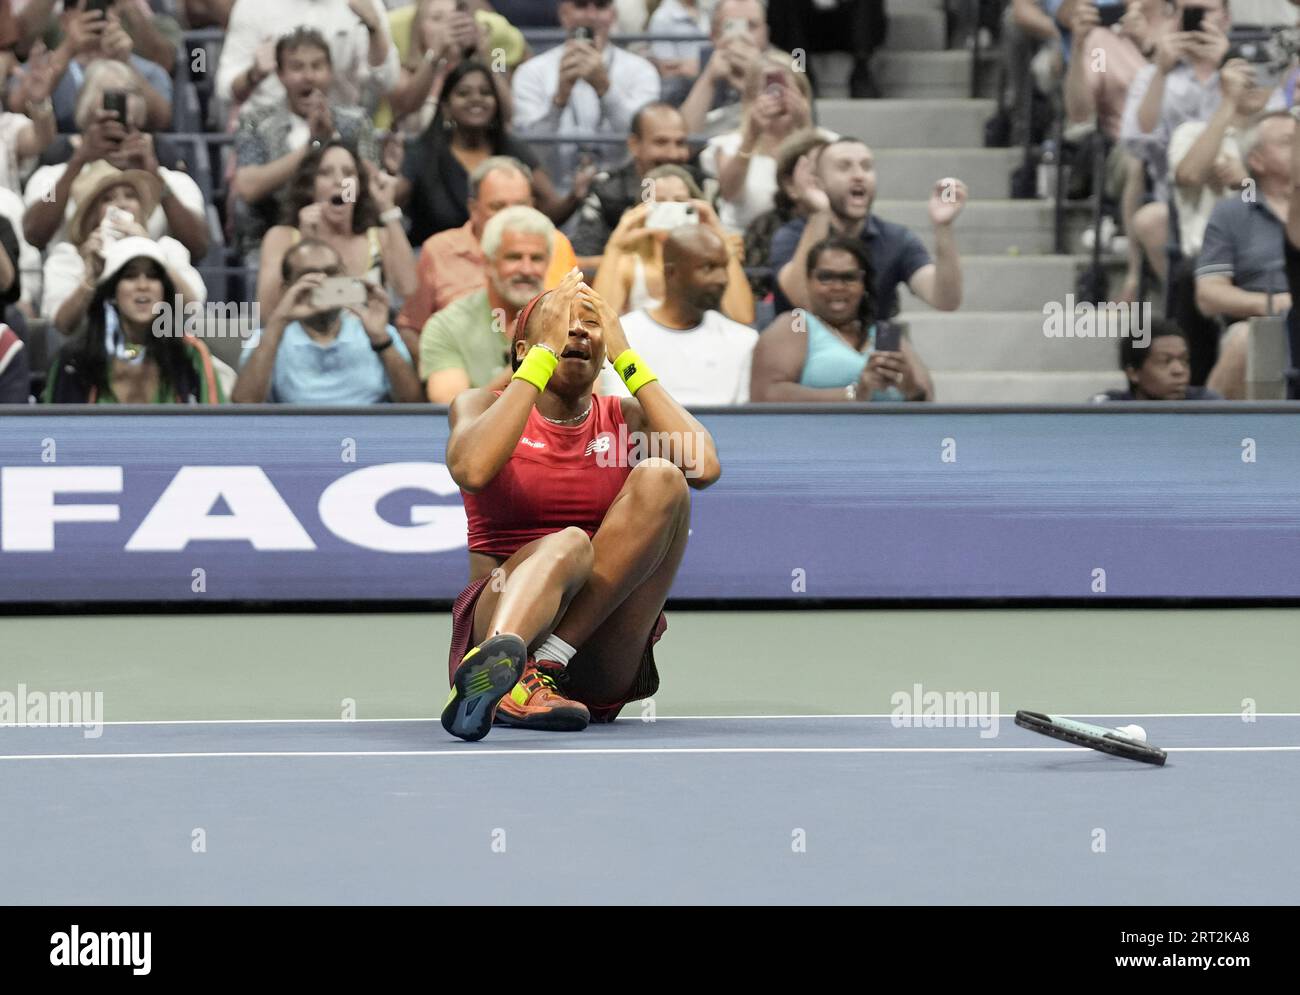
<point>700,355</point>
<point>467,344</point>
<point>1158,367</point>
<point>181,210</point>
<point>131,348</point>
<point>364,59</point>
<point>111,204</point>
<point>1241,273</point>
<point>312,352</point>
<point>275,139</point>
<point>657,138</point>
<point>582,86</point>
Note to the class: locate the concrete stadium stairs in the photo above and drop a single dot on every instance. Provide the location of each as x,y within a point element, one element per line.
<point>927,127</point>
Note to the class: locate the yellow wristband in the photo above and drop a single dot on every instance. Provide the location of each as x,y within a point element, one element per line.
<point>537,367</point>
<point>633,371</point>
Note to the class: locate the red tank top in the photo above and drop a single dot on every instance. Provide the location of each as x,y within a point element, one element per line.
<point>558,475</point>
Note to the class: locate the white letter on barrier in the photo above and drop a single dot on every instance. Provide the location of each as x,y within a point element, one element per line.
<point>28,511</point>
<point>181,516</point>
<point>349,509</point>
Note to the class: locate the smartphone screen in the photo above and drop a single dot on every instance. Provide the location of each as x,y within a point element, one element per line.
<point>339,291</point>
<point>667,215</point>
<point>1110,13</point>
<point>115,100</point>
<point>889,337</point>
<point>1192,18</point>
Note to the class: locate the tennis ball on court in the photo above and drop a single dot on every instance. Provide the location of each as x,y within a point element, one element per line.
<point>1133,732</point>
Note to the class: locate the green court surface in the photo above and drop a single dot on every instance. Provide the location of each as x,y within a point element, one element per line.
<point>370,666</point>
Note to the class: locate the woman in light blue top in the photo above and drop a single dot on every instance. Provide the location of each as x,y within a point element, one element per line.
<point>828,353</point>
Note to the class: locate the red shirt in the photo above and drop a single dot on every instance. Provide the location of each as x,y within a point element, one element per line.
<point>558,475</point>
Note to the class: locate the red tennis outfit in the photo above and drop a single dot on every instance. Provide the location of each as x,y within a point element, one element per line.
<point>558,476</point>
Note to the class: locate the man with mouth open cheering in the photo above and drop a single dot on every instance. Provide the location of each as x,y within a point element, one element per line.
<point>838,188</point>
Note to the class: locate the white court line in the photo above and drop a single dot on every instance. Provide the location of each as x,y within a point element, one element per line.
<point>470,752</point>
<point>693,718</point>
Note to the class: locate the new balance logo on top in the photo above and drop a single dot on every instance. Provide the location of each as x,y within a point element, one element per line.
<point>529,442</point>
<point>600,444</point>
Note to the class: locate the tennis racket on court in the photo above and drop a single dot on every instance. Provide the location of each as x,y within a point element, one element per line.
<point>1110,741</point>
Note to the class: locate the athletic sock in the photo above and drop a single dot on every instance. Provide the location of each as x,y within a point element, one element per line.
<point>556,650</point>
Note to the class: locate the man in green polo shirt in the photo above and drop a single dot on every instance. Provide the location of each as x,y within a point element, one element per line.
<point>467,343</point>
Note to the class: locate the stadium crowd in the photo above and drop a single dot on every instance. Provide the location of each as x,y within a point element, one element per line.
<point>456,157</point>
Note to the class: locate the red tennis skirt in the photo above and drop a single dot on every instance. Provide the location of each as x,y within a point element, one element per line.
<point>645,684</point>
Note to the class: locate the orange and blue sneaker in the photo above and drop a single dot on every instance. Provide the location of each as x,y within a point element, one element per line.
<point>536,702</point>
<point>485,675</point>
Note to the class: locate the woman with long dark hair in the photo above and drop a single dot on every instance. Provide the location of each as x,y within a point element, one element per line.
<point>829,352</point>
<point>350,208</point>
<point>469,127</point>
<point>131,348</point>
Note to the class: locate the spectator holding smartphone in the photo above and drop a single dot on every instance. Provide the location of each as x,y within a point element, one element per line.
<point>112,204</point>
<point>738,30</point>
<point>828,351</point>
<point>121,141</point>
<point>1240,273</point>
<point>130,349</point>
<point>584,85</point>
<point>337,200</point>
<point>92,31</point>
<point>1181,84</point>
<point>316,351</point>
<point>433,38</point>
<point>274,140</point>
<point>631,274</point>
<point>744,161</point>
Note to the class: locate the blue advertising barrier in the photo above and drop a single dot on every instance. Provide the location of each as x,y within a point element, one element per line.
<point>883,502</point>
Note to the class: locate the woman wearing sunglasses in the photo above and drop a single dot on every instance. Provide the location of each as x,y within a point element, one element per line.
<point>837,351</point>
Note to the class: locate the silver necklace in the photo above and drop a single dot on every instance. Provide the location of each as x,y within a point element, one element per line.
<point>569,421</point>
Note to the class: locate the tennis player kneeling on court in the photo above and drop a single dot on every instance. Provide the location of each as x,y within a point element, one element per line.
<point>573,543</point>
